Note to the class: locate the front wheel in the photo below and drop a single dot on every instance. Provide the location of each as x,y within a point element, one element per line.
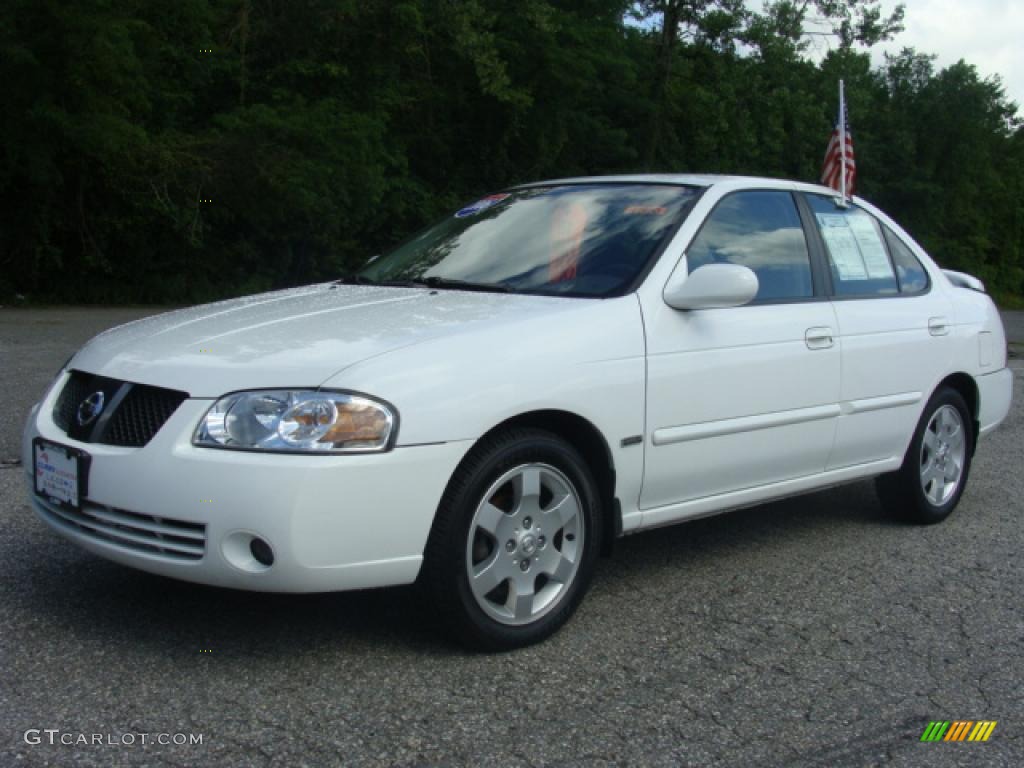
<point>515,541</point>
<point>928,485</point>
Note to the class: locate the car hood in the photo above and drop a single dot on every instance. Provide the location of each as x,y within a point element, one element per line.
<point>294,338</point>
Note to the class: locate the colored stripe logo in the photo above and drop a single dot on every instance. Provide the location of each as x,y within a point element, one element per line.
<point>959,730</point>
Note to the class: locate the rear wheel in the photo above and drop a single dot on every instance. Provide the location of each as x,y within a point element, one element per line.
<point>515,541</point>
<point>933,476</point>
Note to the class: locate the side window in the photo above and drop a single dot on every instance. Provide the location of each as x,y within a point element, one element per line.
<point>759,229</point>
<point>857,255</point>
<point>911,275</point>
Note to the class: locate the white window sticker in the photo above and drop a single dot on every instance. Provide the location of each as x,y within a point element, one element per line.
<point>855,246</point>
<point>843,246</point>
<point>875,258</point>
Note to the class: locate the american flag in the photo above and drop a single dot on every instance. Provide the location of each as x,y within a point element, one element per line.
<point>832,168</point>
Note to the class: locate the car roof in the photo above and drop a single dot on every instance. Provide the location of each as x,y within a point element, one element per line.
<point>690,179</point>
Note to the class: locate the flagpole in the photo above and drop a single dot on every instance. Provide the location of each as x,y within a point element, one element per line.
<point>842,142</point>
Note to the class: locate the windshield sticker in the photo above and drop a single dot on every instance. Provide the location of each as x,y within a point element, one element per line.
<point>480,205</point>
<point>645,210</point>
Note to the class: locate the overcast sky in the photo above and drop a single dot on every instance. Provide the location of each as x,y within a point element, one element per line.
<point>986,33</point>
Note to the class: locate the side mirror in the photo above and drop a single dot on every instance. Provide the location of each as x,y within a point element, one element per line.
<point>712,286</point>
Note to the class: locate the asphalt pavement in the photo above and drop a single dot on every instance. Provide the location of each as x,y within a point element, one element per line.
<point>809,632</point>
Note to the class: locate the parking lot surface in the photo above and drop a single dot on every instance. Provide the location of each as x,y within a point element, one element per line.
<point>809,632</point>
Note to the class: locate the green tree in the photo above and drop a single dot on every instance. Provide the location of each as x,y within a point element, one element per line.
<point>174,152</point>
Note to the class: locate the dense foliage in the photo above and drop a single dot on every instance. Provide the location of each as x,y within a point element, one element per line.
<point>173,152</point>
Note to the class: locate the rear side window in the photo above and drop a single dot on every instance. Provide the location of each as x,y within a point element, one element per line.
<point>759,229</point>
<point>857,254</point>
<point>909,272</point>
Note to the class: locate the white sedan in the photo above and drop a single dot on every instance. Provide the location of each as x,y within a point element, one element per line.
<point>487,407</point>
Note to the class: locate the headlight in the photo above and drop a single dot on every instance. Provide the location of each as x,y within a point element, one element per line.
<point>299,420</point>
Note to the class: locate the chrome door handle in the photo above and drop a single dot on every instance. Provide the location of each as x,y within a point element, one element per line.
<point>938,326</point>
<point>819,337</point>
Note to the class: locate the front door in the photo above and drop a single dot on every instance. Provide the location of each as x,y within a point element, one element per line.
<point>747,396</point>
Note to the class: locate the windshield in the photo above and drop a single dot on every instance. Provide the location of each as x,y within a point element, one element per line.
<point>575,240</point>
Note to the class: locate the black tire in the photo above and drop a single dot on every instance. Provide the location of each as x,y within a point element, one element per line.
<point>903,492</point>
<point>450,554</point>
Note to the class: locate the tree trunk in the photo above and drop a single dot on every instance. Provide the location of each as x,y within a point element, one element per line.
<point>670,15</point>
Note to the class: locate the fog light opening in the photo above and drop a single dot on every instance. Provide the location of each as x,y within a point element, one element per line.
<point>261,552</point>
<point>247,551</point>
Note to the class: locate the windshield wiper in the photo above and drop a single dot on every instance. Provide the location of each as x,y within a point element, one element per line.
<point>464,285</point>
<point>430,282</point>
<point>355,279</point>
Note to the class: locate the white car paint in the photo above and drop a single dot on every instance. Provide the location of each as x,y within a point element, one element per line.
<point>736,393</point>
<point>701,410</point>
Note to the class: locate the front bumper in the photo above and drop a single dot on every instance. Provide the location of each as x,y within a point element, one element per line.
<point>333,522</point>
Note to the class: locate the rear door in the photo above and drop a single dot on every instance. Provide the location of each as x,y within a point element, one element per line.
<point>893,331</point>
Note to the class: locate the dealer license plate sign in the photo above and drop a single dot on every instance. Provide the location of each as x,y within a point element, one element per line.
<point>58,472</point>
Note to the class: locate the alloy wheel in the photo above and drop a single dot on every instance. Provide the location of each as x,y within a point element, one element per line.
<point>943,450</point>
<point>525,544</point>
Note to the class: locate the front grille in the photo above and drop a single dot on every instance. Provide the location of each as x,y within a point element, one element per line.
<point>74,392</point>
<point>142,412</point>
<point>132,415</point>
<point>159,536</point>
